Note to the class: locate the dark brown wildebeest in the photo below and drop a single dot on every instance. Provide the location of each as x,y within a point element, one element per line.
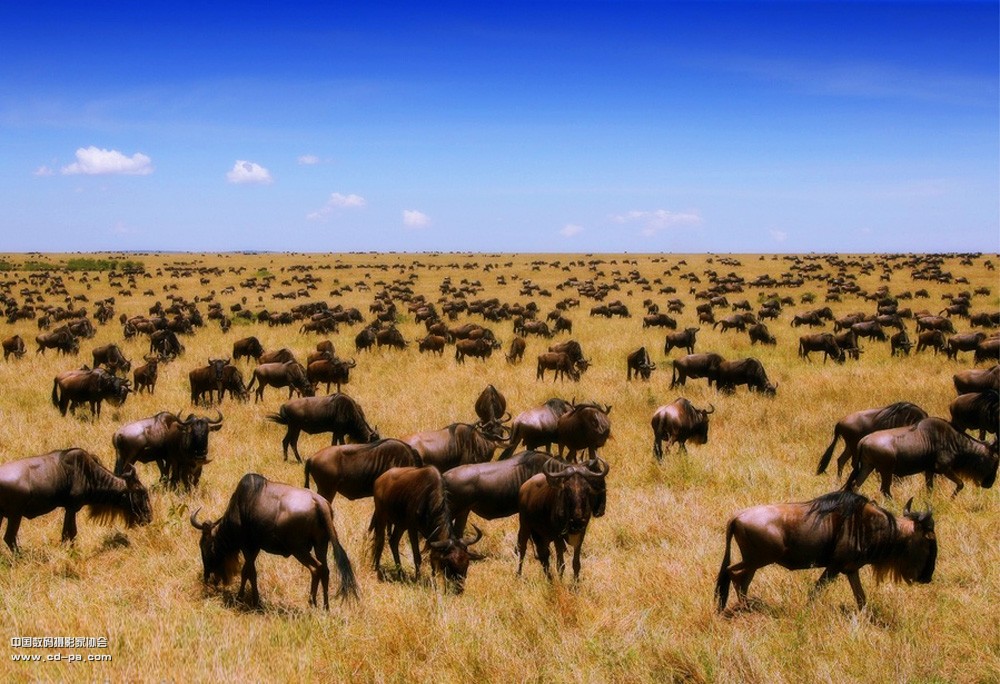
<point>931,338</point>
<point>555,508</point>
<point>70,479</point>
<point>112,358</point>
<point>478,348</point>
<point>681,340</point>
<point>431,343</point>
<point>537,427</point>
<point>677,422</point>
<point>900,342</point>
<point>840,532</point>
<point>414,501</point>
<point>165,343</point>
<point>584,426</point>
<point>935,323</point>
<point>931,447</point>
<point>282,355</point>
<point>572,349</point>
<point>540,328</point>
<point>207,379</point>
<point>638,362</point>
<point>759,333</point>
<point>736,321</point>
<point>871,330</point>
<point>559,362</point>
<point>491,406</point>
<point>234,384</point>
<point>987,351</point>
<point>976,411</point>
<point>13,346</point>
<point>330,371</point>
<point>976,380</point>
<point>247,348</point>
<point>658,320</point>
<point>144,377</point>
<point>695,366</point>
<point>62,340</point>
<point>854,426</point>
<point>351,469</point>
<point>490,490</point>
<point>963,342</point>
<point>848,343</point>
<point>457,444</point>
<point>275,518</point>
<point>516,352</point>
<point>562,324</point>
<point>810,318</point>
<point>179,447</point>
<point>823,342</point>
<point>289,374</point>
<point>390,337</point>
<point>365,339</point>
<point>75,387</point>
<point>749,372</point>
<point>337,413</point>
<point>985,320</point>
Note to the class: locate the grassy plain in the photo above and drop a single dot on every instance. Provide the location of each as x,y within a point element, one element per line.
<point>643,610</point>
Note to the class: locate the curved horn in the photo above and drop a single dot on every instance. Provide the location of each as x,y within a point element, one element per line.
<point>710,409</point>
<point>469,541</point>
<point>908,506</point>
<point>197,525</point>
<point>439,545</point>
<point>604,466</point>
<point>607,409</point>
<point>218,420</point>
<point>506,418</point>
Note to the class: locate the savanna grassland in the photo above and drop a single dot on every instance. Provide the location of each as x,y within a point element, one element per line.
<point>643,610</point>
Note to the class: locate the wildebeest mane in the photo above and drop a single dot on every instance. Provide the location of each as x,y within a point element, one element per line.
<point>105,490</point>
<point>871,535</point>
<point>898,415</point>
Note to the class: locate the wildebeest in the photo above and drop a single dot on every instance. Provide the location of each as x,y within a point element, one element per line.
<point>749,372</point>
<point>516,352</point>
<point>431,343</point>
<point>414,501</point>
<point>931,447</point>
<point>282,355</point>
<point>479,348</point>
<point>537,427</point>
<point>276,518</point>
<point>234,384</point>
<point>75,387</point>
<point>963,342</point>
<point>247,348</point>
<point>112,358</point>
<point>823,342</point>
<point>638,362</point>
<point>337,413</point>
<point>179,447</point>
<point>144,377</point>
<point>13,346</point>
<point>987,351</point>
<point>900,343</point>
<point>207,379</point>
<point>70,479</point>
<point>365,339</point>
<point>165,343</point>
<point>758,332</point>
<point>555,508</point>
<point>854,426</point>
<point>976,380</point>
<point>289,374</point>
<point>390,337</point>
<point>931,338</point>
<point>840,532</point>
<point>572,349</point>
<point>62,340</point>
<point>677,422</point>
<point>491,406</point>
<point>695,366</point>
<point>330,371</point>
<point>351,469</point>
<point>935,323</point>
<point>559,362</point>
<point>976,411</point>
<point>584,426</point>
<point>457,444</point>
<point>658,320</point>
<point>737,321</point>
<point>684,339</point>
<point>869,329</point>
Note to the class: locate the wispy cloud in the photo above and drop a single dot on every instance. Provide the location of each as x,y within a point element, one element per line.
<point>415,219</point>
<point>657,220</point>
<point>778,236</point>
<point>337,201</point>
<point>94,161</point>
<point>247,172</point>
<point>570,229</point>
<point>42,171</point>
<point>308,160</point>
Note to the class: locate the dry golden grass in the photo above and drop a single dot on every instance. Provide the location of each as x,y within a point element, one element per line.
<point>643,610</point>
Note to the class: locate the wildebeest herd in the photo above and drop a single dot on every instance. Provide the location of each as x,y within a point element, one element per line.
<point>547,464</point>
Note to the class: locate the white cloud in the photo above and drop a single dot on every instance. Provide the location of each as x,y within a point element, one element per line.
<point>778,235</point>
<point>415,219</point>
<point>570,229</point>
<point>337,201</point>
<point>42,171</point>
<point>248,172</point>
<point>308,159</point>
<point>653,222</point>
<point>92,161</point>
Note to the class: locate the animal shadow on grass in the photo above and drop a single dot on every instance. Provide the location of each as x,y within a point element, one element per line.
<point>753,605</point>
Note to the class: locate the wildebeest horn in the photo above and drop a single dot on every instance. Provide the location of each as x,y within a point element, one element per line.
<point>604,466</point>
<point>908,506</point>
<point>443,544</point>
<point>607,409</point>
<point>506,417</point>
<point>469,541</point>
<point>218,419</point>
<point>352,364</point>
<point>710,409</point>
<point>197,525</point>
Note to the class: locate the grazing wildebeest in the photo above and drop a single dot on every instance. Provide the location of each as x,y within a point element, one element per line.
<point>179,447</point>
<point>684,339</point>
<point>658,320</point>
<point>282,355</point>
<point>330,371</point>
<point>289,374</point>
<point>695,366</point>
<point>70,479</point>
<point>572,349</point>
<point>840,532</point>
<point>234,384</point>
<point>112,358</point>
<point>390,337</point>
<point>823,342</point>
<point>987,351</point>
<point>584,426</point>
<point>559,362</point>
<point>976,411</point>
<point>749,372</point>
<point>931,447</point>
<point>638,362</point>
<point>976,380</point>
<point>75,387</point>
<point>351,469</point>
<point>479,348</point>
<point>207,379</point>
<point>13,346</point>
<point>247,348</point>
<point>677,422</point>
<point>276,518</point>
<point>457,444</point>
<point>555,508</point>
<point>537,427</point>
<point>900,342</point>
<point>365,339</point>
<point>517,347</point>
<point>431,343</point>
<point>736,321</point>
<point>540,328</point>
<point>963,342</point>
<point>935,323</point>
<point>491,406</point>
<point>337,413</point>
<point>854,426</point>
<point>62,340</point>
<point>165,343</point>
<point>758,332</point>
<point>413,500</point>
<point>869,329</point>
<point>931,338</point>
<point>144,377</point>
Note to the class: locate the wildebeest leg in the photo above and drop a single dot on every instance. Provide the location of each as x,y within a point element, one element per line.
<point>741,575</point>
<point>859,593</point>
<point>395,534</point>
<point>886,476</point>
<point>459,522</point>
<point>951,475</point>
<point>828,576</point>
<point>13,522</point>
<point>415,547</point>
<point>560,545</point>
<point>291,438</point>
<point>378,543</point>
<point>250,575</point>
<point>315,574</point>
<point>658,448</point>
<point>576,558</point>
<point>522,546</point>
<point>543,554</point>
<point>69,525</point>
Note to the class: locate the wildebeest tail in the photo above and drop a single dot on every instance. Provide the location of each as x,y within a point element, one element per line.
<point>348,584</point>
<point>280,418</point>
<point>307,467</point>
<point>55,393</point>
<point>824,460</point>
<point>515,439</point>
<point>724,579</point>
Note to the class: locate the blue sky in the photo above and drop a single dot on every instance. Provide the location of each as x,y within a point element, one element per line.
<point>513,126</point>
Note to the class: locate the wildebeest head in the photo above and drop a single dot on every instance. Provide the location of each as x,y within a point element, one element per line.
<point>217,365</point>
<point>216,564</point>
<point>452,556</point>
<point>917,561</point>
<point>580,494</point>
<point>195,429</point>
<point>138,511</point>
